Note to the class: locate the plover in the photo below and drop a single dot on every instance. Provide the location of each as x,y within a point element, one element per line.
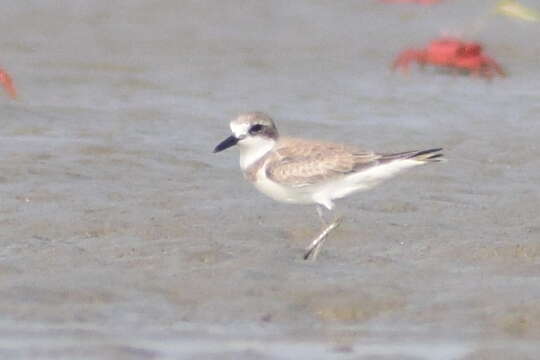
<point>300,171</point>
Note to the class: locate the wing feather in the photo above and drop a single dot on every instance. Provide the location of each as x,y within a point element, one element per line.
<point>302,163</point>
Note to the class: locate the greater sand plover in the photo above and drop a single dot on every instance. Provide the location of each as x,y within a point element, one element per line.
<point>299,171</point>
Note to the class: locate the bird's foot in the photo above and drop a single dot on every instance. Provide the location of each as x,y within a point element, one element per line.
<point>312,251</point>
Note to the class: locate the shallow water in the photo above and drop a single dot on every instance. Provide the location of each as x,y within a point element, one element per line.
<point>123,236</point>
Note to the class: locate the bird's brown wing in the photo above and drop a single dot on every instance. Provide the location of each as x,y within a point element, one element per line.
<point>301,163</point>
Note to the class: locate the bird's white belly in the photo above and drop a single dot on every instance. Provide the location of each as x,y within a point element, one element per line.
<point>280,192</point>
<point>324,193</point>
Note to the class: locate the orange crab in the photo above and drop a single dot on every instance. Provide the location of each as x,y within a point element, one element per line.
<point>7,83</point>
<point>451,53</point>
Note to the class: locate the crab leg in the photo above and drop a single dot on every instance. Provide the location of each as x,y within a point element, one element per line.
<point>493,65</point>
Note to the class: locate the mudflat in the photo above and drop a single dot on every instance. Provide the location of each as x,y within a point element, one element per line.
<point>123,237</point>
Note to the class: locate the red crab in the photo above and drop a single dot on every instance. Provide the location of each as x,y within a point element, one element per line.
<point>7,83</point>
<point>451,53</point>
<point>423,2</point>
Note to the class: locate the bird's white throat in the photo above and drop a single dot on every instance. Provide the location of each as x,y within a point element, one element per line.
<point>254,148</point>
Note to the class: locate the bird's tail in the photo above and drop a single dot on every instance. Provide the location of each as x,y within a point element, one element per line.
<point>423,156</point>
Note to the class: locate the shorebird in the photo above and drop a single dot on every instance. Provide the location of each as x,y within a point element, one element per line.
<point>300,171</point>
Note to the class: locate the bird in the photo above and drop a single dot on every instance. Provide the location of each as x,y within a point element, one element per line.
<point>301,171</point>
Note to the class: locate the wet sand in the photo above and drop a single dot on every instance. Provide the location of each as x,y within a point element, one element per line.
<point>123,237</point>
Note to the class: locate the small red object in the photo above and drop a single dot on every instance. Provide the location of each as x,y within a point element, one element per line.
<point>451,53</point>
<point>7,83</point>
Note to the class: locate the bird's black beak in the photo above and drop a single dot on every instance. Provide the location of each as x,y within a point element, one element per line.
<point>227,143</point>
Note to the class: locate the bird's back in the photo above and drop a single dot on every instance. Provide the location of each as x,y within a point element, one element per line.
<point>300,162</point>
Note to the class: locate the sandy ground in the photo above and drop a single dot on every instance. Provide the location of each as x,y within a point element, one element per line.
<point>123,237</point>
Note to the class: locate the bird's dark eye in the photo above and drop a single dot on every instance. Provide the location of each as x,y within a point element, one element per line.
<point>255,128</point>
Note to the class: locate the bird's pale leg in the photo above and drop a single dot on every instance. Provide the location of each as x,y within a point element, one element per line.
<point>313,249</point>
<point>316,244</point>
